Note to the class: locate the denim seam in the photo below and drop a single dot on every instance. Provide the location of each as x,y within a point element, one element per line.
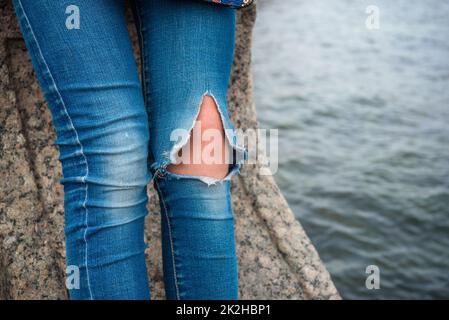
<point>170,237</point>
<point>84,178</point>
<point>142,51</point>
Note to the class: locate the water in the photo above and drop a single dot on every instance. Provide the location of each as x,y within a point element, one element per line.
<point>363,119</point>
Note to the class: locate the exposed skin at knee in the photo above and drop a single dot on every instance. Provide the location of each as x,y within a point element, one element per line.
<point>208,118</point>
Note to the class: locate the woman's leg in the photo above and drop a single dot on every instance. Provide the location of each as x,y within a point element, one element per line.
<point>91,83</point>
<point>187,56</point>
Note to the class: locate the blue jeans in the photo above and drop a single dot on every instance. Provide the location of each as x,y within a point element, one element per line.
<point>113,134</point>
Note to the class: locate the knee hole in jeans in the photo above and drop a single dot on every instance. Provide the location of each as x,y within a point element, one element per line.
<point>206,153</point>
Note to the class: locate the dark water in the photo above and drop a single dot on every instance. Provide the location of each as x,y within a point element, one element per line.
<point>363,119</point>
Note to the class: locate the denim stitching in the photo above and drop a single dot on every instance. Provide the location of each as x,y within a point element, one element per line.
<point>142,51</point>
<point>84,178</point>
<point>170,237</point>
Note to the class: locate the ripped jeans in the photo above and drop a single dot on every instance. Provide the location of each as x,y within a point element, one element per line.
<point>114,137</point>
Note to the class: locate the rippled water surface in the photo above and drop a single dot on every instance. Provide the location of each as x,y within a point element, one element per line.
<point>363,119</point>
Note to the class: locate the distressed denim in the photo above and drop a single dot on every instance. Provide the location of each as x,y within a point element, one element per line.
<point>113,134</point>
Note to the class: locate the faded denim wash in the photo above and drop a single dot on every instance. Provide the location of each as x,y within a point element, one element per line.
<point>113,135</point>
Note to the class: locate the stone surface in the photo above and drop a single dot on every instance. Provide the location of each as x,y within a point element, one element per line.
<point>276,258</point>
